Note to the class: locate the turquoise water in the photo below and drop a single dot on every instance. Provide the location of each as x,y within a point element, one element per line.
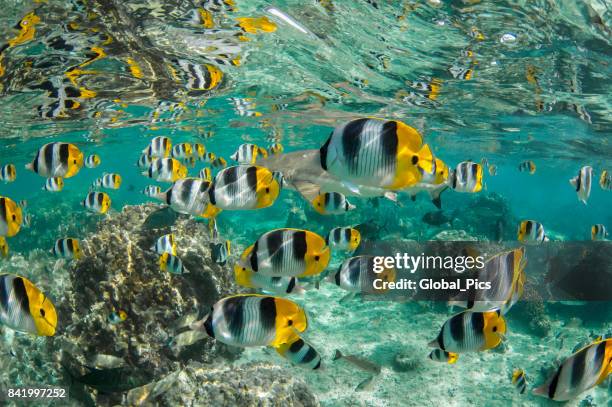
<point>533,84</point>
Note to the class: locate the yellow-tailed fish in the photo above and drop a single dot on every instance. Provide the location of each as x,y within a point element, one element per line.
<point>4,247</point>
<point>331,203</point>
<point>300,353</point>
<point>247,153</point>
<point>165,244</point>
<point>92,161</point>
<point>438,175</point>
<point>26,28</point>
<point>182,151</point>
<point>599,232</point>
<point>220,251</point>
<point>506,274</point>
<point>253,320</point>
<point>439,355</point>
<point>166,170</point>
<point>205,174</point>
<point>209,157</point>
<point>519,380</point>
<point>199,78</point>
<point>531,232</point>
<point>582,183</point>
<point>159,147</point>
<point>8,173</point>
<point>527,166</point>
<point>605,180</point>
<point>281,285</point>
<point>471,332</point>
<point>219,162</point>
<point>152,191</point>
<point>254,25</point>
<point>11,217</point>
<point>172,264</point>
<point>378,153</point>
<point>97,202</point>
<point>467,177</point>
<point>356,274</point>
<point>343,238</point>
<point>67,248</point>
<point>199,150</point>
<point>244,187</point>
<point>54,184</point>
<point>144,162</point>
<point>116,317</point>
<point>24,308</point>
<point>276,148</point>
<point>108,181</point>
<point>57,160</point>
<point>189,196</point>
<point>286,252</point>
<point>583,370</point>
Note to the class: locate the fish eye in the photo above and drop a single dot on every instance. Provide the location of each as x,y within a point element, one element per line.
<point>316,258</point>
<point>495,329</point>
<point>289,322</point>
<point>415,159</point>
<point>244,269</point>
<point>14,217</point>
<point>42,312</point>
<point>267,190</point>
<point>74,161</point>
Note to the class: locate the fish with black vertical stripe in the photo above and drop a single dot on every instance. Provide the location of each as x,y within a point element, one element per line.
<point>582,371</point>
<point>286,252</point>
<point>253,320</point>
<point>343,238</point>
<point>244,187</point>
<point>332,203</point>
<point>57,160</point>
<point>11,217</point>
<point>188,196</point>
<point>582,183</point>
<point>358,274</point>
<point>300,353</point>
<point>97,202</point>
<point>24,308</point>
<point>471,332</point>
<point>377,153</point>
<point>67,248</point>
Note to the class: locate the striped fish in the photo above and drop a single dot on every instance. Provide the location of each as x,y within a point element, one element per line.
<point>605,180</point>
<point>159,147</point>
<point>439,355</point>
<point>166,170</point>
<point>531,232</point>
<point>57,160</point>
<point>438,174</point>
<point>220,251</point>
<point>165,244</point>
<point>599,232</point>
<point>182,151</point>
<point>199,150</point>
<point>582,183</point>
<point>286,252</point>
<point>471,332</point>
<point>11,217</point>
<point>209,157</point>
<point>67,248</point>
<point>92,161</point>
<point>189,196</point>
<point>152,191</point>
<point>300,353</point>
<point>583,370</point>
<point>24,308</point>
<point>244,187</point>
<point>356,274</point>
<point>4,247</point>
<point>519,380</point>
<point>144,162</point>
<point>467,177</point>
<point>218,162</point>
<point>199,78</point>
<point>527,166</point>
<point>205,174</point>
<point>8,173</point>
<point>332,203</point>
<point>247,153</point>
<point>97,202</point>
<point>461,72</point>
<point>506,273</point>
<point>253,320</point>
<point>276,148</point>
<point>245,107</point>
<point>343,238</point>
<point>171,263</point>
<point>281,285</point>
<point>108,181</point>
<point>378,153</point>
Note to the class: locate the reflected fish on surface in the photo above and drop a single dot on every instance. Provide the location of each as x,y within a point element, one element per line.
<point>253,320</point>
<point>286,252</point>
<point>25,308</point>
<point>582,183</point>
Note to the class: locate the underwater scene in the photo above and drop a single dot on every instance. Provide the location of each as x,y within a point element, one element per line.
<point>305,203</point>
